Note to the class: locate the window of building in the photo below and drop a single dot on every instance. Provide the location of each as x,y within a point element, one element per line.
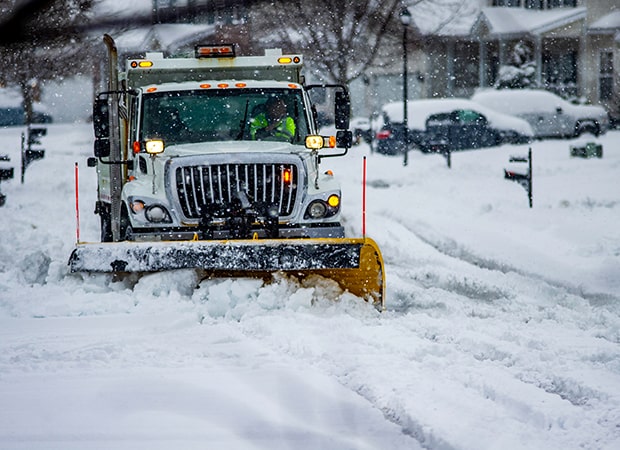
<point>561,3</point>
<point>560,69</point>
<point>510,3</point>
<point>606,75</point>
<point>535,4</point>
<point>466,66</point>
<point>548,4</point>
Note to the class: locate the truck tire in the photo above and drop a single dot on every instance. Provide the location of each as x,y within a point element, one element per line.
<point>126,229</point>
<point>106,227</point>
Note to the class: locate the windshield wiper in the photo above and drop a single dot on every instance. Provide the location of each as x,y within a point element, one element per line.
<point>244,121</point>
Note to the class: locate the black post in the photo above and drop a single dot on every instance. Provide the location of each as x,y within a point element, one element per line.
<point>23,153</point>
<point>447,153</point>
<point>405,18</point>
<point>529,174</point>
<point>524,180</point>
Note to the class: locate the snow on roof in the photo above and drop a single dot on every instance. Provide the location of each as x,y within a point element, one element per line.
<point>132,39</point>
<point>502,20</point>
<point>609,22</point>
<point>108,9</point>
<point>10,98</point>
<point>429,17</point>
<point>167,36</point>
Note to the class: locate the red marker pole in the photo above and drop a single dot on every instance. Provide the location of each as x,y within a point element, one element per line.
<point>364,199</point>
<point>77,205</point>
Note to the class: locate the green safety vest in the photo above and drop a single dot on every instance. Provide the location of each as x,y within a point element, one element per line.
<point>285,130</point>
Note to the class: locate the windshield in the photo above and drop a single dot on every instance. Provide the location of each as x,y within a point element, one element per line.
<point>225,115</point>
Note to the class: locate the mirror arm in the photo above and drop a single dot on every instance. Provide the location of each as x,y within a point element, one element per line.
<point>346,150</point>
<point>128,163</point>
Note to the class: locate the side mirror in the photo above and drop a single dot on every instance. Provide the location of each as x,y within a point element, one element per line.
<point>344,139</point>
<point>101,118</point>
<point>342,110</point>
<point>102,148</point>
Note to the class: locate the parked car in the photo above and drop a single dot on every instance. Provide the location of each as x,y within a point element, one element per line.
<point>458,130</point>
<point>548,114</point>
<point>360,126</point>
<point>454,124</point>
<point>12,110</point>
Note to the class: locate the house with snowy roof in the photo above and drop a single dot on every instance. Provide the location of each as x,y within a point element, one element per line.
<point>571,47</point>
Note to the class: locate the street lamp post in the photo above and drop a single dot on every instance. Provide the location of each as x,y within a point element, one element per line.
<point>405,19</point>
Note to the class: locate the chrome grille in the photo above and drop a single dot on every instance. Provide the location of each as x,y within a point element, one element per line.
<point>202,185</point>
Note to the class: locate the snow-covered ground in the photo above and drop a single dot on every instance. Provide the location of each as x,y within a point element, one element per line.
<point>502,328</point>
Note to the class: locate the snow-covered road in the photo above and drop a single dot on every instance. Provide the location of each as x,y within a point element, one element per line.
<point>502,328</point>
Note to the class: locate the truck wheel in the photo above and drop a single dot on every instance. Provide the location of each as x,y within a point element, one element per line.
<point>126,230</point>
<point>106,227</point>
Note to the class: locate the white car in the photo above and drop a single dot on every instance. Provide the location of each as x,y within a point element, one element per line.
<point>548,114</point>
<point>360,126</point>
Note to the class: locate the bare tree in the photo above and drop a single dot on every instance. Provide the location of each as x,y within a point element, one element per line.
<point>342,39</point>
<point>42,40</point>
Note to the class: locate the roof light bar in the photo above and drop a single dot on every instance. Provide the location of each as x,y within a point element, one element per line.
<point>215,51</point>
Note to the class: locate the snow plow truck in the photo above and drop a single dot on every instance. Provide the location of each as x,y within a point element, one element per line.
<point>193,173</point>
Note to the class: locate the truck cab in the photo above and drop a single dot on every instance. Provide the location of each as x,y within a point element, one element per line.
<point>196,157</point>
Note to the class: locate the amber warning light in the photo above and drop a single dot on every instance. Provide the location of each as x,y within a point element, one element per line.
<point>289,59</point>
<point>215,51</point>
<point>141,64</point>
<point>287,176</point>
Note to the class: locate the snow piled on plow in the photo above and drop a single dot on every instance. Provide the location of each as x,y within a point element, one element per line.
<point>248,255</point>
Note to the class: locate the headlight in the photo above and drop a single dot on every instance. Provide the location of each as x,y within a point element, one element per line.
<point>157,214</point>
<point>314,142</point>
<point>320,209</point>
<point>154,146</point>
<point>317,209</point>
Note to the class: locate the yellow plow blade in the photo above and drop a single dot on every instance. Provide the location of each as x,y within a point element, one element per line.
<point>355,263</point>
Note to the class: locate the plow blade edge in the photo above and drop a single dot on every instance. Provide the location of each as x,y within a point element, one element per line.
<point>356,264</point>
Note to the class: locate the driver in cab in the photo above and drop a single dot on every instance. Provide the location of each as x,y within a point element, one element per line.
<point>274,123</point>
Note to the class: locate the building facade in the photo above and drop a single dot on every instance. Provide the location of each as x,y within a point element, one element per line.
<point>571,47</point>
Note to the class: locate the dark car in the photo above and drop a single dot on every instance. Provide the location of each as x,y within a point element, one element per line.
<point>12,111</point>
<point>16,116</point>
<point>390,139</point>
<point>454,124</point>
<point>458,130</point>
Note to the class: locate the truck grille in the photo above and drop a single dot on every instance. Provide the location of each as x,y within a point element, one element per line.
<point>202,185</point>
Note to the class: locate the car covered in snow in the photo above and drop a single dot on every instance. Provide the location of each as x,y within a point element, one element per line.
<point>548,114</point>
<point>12,110</point>
<point>360,126</point>
<point>454,124</point>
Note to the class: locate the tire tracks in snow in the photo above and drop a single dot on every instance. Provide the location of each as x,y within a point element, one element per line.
<point>451,248</point>
<point>454,330</point>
